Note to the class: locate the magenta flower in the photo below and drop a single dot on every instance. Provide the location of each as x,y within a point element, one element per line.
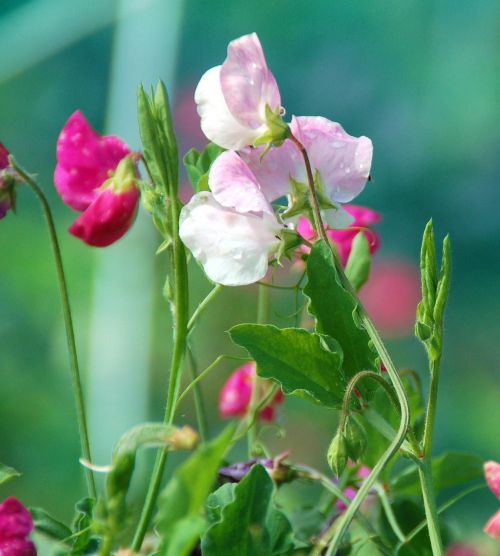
<point>96,175</point>
<point>15,526</point>
<point>363,218</point>
<point>5,191</point>
<point>237,391</point>
<point>232,98</point>
<point>492,474</point>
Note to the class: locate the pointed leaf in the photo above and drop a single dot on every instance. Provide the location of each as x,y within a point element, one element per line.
<point>48,525</point>
<point>7,474</point>
<point>302,362</point>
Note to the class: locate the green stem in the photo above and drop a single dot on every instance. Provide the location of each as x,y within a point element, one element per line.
<point>430,416</point>
<point>68,323</point>
<point>391,518</point>
<point>425,475</point>
<point>214,292</point>
<point>337,533</point>
<point>262,313</point>
<point>201,414</point>
<point>180,313</point>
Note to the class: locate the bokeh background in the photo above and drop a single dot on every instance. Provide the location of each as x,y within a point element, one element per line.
<point>421,79</point>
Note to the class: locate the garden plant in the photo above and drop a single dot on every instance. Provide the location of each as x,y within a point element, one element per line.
<point>271,206</point>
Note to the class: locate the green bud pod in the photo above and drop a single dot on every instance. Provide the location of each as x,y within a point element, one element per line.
<point>356,439</point>
<point>337,454</point>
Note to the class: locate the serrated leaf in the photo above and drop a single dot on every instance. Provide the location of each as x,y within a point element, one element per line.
<point>448,470</point>
<point>180,520</point>
<point>334,309</point>
<point>48,525</point>
<point>358,265</point>
<point>299,360</point>
<point>249,524</point>
<point>217,500</point>
<point>7,474</point>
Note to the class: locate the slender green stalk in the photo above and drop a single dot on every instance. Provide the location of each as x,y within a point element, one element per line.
<point>214,292</point>
<point>391,518</point>
<point>262,313</point>
<point>425,476</point>
<point>180,312</point>
<point>201,414</point>
<point>68,323</point>
<point>430,417</point>
<point>338,530</point>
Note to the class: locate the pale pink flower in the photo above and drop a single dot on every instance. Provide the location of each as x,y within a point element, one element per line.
<point>492,528</point>
<point>96,175</point>
<point>232,98</point>
<point>15,526</point>
<point>236,394</point>
<point>492,474</point>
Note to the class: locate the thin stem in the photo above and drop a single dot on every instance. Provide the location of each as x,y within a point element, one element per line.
<point>201,414</point>
<point>425,475</point>
<point>68,323</point>
<point>262,312</point>
<point>180,313</point>
<point>391,518</point>
<point>337,533</point>
<point>214,292</point>
<point>430,416</point>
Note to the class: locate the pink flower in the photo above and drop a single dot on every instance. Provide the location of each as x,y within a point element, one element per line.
<point>349,493</point>
<point>363,218</point>
<point>492,474</point>
<point>5,190</point>
<point>232,98</point>
<point>492,528</point>
<point>96,175</point>
<point>15,526</point>
<point>236,394</point>
<point>460,549</point>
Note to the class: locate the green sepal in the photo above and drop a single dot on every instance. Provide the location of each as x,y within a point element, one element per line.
<point>198,164</point>
<point>337,454</point>
<point>7,474</point>
<point>356,439</point>
<point>277,129</point>
<point>82,527</point>
<point>299,199</point>
<point>289,241</point>
<point>358,265</point>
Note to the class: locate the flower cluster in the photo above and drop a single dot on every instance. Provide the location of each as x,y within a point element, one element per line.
<point>15,526</point>
<point>234,229</point>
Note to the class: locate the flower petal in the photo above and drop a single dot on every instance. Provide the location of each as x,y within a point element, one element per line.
<point>337,218</point>
<point>492,528</point>
<point>15,520</point>
<point>273,171</point>
<point>107,219</point>
<point>233,248</point>
<point>343,161</point>
<point>235,395</point>
<point>247,83</point>
<point>492,474</point>
<point>234,186</point>
<point>84,160</point>
<point>217,122</point>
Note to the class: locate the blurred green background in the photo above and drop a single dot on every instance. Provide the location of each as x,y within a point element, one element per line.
<point>421,79</point>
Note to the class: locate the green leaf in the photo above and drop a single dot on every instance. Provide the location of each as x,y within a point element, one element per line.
<point>82,526</point>
<point>7,474</point>
<point>198,164</point>
<point>358,265</point>
<point>299,360</point>
<point>217,500</point>
<point>280,531</point>
<point>242,530</point>
<point>180,521</point>
<point>448,470</point>
<point>48,525</point>
<point>334,308</point>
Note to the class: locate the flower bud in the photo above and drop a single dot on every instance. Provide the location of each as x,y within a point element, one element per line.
<point>337,454</point>
<point>492,528</point>
<point>492,474</point>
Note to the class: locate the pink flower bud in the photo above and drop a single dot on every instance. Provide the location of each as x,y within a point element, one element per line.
<point>5,191</point>
<point>97,176</point>
<point>492,528</point>
<point>236,394</point>
<point>492,474</point>
<point>15,526</point>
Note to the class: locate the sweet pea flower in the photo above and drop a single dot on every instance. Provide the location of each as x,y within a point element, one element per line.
<point>15,526</point>
<point>232,230</point>
<point>96,175</point>
<point>6,191</point>
<point>232,98</point>
<point>363,217</point>
<point>341,163</point>
<point>492,474</point>
<point>236,394</point>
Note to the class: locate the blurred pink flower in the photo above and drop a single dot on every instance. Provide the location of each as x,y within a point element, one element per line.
<point>5,195</point>
<point>461,549</point>
<point>236,393</point>
<point>350,493</point>
<point>492,474</point>
<point>391,296</point>
<point>363,219</point>
<point>96,175</point>
<point>492,528</point>
<point>15,526</point>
